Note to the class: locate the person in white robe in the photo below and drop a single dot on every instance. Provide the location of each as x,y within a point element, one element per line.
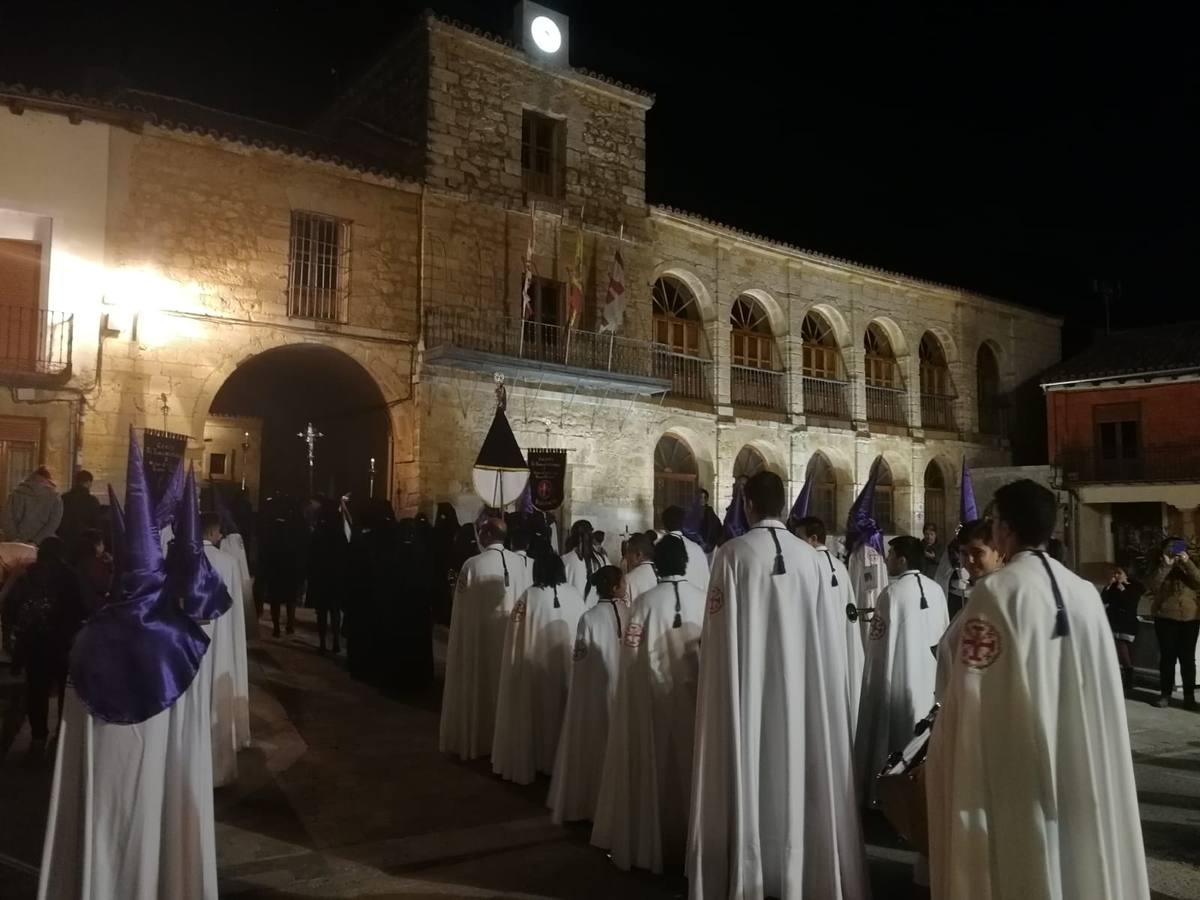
<point>582,559</point>
<point>1029,776</point>
<point>898,675</point>
<point>697,567</point>
<point>773,805</point>
<point>639,567</point>
<point>579,762</point>
<point>486,592</point>
<point>131,802</point>
<point>645,788</point>
<point>812,531</point>
<point>231,673</point>
<point>535,672</point>
<point>233,544</point>
<point>981,559</point>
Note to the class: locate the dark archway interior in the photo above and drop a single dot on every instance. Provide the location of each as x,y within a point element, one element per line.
<point>291,386</point>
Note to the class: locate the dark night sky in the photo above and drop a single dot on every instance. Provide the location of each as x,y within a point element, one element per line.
<point>1018,152</point>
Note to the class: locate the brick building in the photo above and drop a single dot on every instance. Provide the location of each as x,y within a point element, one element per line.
<point>197,245</point>
<point>1125,440</point>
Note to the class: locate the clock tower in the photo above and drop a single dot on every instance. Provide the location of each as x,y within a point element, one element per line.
<point>543,33</point>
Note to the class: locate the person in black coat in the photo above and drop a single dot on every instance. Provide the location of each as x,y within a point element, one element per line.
<point>281,570</point>
<point>1121,599</point>
<point>81,511</point>
<point>404,597</point>
<point>327,556</point>
<point>372,549</point>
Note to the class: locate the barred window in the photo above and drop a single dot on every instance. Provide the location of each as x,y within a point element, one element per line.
<point>319,267</point>
<point>543,153</point>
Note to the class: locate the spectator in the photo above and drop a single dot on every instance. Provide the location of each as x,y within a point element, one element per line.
<point>1121,599</point>
<point>80,510</point>
<point>15,558</point>
<point>1175,583</point>
<point>95,568</point>
<point>49,611</point>
<point>931,551</point>
<point>34,509</point>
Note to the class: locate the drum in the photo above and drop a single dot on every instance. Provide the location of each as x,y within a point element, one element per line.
<point>901,788</point>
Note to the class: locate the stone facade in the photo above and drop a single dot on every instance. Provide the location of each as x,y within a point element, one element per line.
<point>196,260</point>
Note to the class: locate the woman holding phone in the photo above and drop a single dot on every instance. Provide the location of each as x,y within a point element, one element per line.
<point>1175,583</point>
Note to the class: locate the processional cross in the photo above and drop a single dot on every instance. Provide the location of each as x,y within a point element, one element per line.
<point>310,436</point>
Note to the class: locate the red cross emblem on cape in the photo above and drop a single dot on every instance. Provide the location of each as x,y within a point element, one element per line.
<point>716,600</point>
<point>633,636</point>
<point>878,627</point>
<point>980,645</point>
<point>580,650</point>
<point>518,612</point>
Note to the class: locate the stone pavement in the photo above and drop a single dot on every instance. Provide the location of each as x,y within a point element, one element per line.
<point>344,794</point>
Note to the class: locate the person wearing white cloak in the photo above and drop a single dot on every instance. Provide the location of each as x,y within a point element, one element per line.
<point>639,566</point>
<point>898,676</point>
<point>673,518</point>
<point>486,592</point>
<point>579,762</point>
<point>535,671</point>
<point>230,673</point>
<point>1029,776</point>
<point>812,531</point>
<point>981,559</point>
<point>582,559</point>
<point>131,803</point>
<point>773,806</point>
<point>645,788</point>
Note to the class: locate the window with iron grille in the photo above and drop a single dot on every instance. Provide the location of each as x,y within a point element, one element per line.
<point>543,153</point>
<point>319,267</point>
<point>935,372</point>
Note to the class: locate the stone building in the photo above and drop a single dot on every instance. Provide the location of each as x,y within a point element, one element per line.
<point>394,234</point>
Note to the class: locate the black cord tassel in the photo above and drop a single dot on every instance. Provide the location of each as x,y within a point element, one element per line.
<point>832,570</point>
<point>556,604</point>
<point>678,610</point>
<point>1061,627</point>
<point>833,580</point>
<point>780,568</point>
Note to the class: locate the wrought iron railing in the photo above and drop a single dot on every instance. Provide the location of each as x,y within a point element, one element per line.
<point>756,388</point>
<point>887,405</point>
<point>937,412</point>
<point>1157,463</point>
<point>34,341</point>
<point>691,377</point>
<point>827,398</point>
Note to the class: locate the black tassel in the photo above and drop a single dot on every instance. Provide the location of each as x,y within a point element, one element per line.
<point>780,568</point>
<point>1061,628</point>
<point>556,604</point>
<point>832,570</point>
<point>924,602</point>
<point>678,610</point>
<point>833,580</point>
<point>678,621</point>
<point>506,579</point>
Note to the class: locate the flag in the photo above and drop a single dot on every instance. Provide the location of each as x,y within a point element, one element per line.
<point>575,296</point>
<point>804,498</point>
<point>527,278</point>
<point>861,527</point>
<point>614,302</point>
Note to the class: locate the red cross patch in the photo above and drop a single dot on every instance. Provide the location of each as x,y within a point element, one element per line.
<point>878,627</point>
<point>633,636</point>
<point>716,600</point>
<point>980,645</point>
<point>580,650</point>
<point>518,613</point>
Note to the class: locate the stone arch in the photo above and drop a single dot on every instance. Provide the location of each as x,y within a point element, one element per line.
<point>773,459</point>
<point>845,487</point>
<point>704,301</point>
<point>841,328</point>
<point>901,491</point>
<point>938,504</point>
<point>946,341</point>
<point>990,406</point>
<point>701,450</point>
<point>894,334</point>
<point>775,314</point>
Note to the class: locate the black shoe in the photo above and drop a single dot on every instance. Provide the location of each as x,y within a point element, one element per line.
<point>1189,703</point>
<point>1162,702</point>
<point>291,629</point>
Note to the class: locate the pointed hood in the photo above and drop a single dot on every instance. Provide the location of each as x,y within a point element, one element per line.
<point>693,522</point>
<point>967,510</point>
<point>804,498</point>
<point>137,654</point>
<point>861,527</point>
<point>735,515</point>
<point>191,579</point>
<point>500,472</point>
<point>116,519</point>
<point>166,506</point>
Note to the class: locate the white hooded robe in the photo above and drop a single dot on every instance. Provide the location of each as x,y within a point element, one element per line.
<point>773,805</point>
<point>535,674</point>
<point>236,547</point>
<point>1029,776</point>
<point>645,788</point>
<point>841,594</point>
<point>899,674</point>
<point>579,762</point>
<point>578,572</point>
<point>220,668</point>
<point>478,621</point>
<point>220,559</point>
<point>697,565</point>
<point>868,578</point>
<point>639,579</point>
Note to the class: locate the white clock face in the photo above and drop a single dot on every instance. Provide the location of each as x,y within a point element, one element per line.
<point>545,34</point>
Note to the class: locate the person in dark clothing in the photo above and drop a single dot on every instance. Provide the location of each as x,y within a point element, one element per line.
<point>80,510</point>
<point>404,592</point>
<point>49,611</point>
<point>371,550</point>
<point>94,566</point>
<point>1121,599</point>
<point>931,552</point>
<point>327,556</point>
<point>280,567</point>
<point>443,571</point>
<point>710,528</point>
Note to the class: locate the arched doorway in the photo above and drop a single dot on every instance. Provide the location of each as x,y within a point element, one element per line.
<point>937,389</point>
<point>823,499</point>
<point>748,463</point>
<point>987,392</point>
<point>935,498</point>
<point>676,479</point>
<point>680,348</point>
<point>286,388</point>
<point>825,392</point>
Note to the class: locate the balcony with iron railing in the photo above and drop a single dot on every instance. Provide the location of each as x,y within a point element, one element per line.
<point>487,341</point>
<point>1175,463</point>
<point>937,412</point>
<point>756,388</point>
<point>827,398</point>
<point>886,405</point>
<point>35,344</point>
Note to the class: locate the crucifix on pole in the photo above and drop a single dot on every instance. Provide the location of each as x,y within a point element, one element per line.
<point>310,436</point>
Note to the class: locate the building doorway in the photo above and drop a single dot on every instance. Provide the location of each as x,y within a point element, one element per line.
<point>676,479</point>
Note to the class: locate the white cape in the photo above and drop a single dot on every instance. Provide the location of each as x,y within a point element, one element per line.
<point>1029,776</point>
<point>236,547</point>
<point>773,805</point>
<point>868,578</point>
<point>841,594</point>
<point>236,704</point>
<point>131,807</point>
<point>218,667</point>
<point>645,789</point>
<point>639,580</point>
<point>899,676</point>
<point>579,762</point>
<point>697,565</point>
<point>577,575</point>
<point>535,674</point>
<point>478,620</point>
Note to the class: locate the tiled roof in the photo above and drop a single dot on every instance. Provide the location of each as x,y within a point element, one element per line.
<point>1157,350</point>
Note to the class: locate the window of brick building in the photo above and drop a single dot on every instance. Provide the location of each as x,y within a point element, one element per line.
<point>879,359</point>
<point>676,317</point>
<point>20,294</point>
<point>1118,432</point>
<point>823,500</point>
<point>319,267</point>
<point>822,358</point>
<point>676,477</point>
<point>753,345</point>
<point>543,154</point>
